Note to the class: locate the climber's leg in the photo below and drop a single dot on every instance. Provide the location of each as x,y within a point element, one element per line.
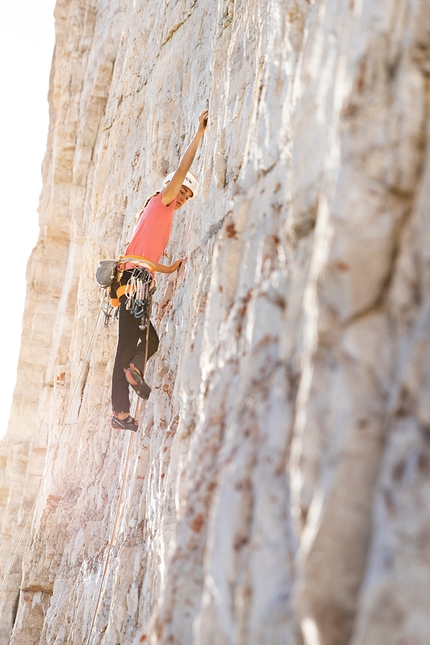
<point>140,357</point>
<point>128,337</point>
<point>135,373</point>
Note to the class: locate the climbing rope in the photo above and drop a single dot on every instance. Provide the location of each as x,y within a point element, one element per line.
<point>47,466</point>
<point>115,526</point>
<point>144,325</point>
<point>144,304</point>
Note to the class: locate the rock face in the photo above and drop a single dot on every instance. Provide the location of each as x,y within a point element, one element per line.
<point>278,488</point>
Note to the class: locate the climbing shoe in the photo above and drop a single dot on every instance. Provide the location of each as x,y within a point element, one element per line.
<point>135,379</point>
<point>123,424</point>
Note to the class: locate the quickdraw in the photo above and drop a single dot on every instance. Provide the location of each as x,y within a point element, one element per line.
<point>108,310</point>
<point>138,293</point>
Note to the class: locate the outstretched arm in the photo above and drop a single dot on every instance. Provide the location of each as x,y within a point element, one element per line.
<point>170,191</point>
<point>162,268</point>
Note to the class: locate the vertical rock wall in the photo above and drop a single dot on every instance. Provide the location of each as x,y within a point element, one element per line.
<point>278,485</point>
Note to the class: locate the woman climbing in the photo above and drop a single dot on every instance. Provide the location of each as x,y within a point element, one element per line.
<point>136,271</point>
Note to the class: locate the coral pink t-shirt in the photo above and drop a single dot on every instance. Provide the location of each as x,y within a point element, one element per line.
<point>152,231</point>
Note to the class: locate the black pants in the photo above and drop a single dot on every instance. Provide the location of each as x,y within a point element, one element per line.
<point>131,348</point>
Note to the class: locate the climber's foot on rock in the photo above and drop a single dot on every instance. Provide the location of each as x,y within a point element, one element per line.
<point>123,424</point>
<point>135,379</point>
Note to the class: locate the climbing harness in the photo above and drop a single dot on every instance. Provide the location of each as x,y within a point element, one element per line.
<point>135,261</point>
<point>109,274</point>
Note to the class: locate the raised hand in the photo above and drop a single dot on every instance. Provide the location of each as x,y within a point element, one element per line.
<point>203,120</point>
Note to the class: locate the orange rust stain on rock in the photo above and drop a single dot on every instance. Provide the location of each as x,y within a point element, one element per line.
<point>231,231</point>
<point>360,82</point>
<point>198,522</point>
<point>52,502</point>
<point>341,265</point>
<point>266,340</point>
<point>211,486</point>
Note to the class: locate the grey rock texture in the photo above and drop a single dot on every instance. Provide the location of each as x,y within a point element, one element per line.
<point>278,489</point>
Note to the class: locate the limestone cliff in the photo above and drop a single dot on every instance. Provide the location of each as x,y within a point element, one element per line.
<point>278,489</point>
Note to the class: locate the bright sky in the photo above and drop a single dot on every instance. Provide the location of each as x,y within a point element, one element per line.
<point>26,48</point>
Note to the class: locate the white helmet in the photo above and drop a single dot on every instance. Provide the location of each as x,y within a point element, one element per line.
<point>190,182</point>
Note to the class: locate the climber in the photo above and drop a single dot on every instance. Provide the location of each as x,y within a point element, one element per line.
<point>141,258</point>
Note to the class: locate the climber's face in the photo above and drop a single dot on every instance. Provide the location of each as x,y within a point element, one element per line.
<point>182,197</point>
